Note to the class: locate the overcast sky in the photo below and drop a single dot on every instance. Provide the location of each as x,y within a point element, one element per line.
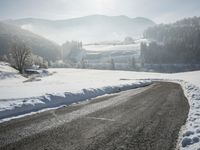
<point>160,11</point>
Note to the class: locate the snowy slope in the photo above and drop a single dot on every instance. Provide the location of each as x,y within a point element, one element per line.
<point>67,86</point>
<point>7,72</point>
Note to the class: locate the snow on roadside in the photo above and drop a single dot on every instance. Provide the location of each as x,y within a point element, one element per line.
<point>21,106</point>
<point>68,86</point>
<point>189,138</point>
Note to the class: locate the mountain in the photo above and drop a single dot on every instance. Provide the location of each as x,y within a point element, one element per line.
<point>92,28</point>
<point>39,45</point>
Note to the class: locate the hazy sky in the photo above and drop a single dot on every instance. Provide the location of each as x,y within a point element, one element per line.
<point>157,10</point>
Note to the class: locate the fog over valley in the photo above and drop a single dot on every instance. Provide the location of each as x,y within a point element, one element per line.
<point>88,29</point>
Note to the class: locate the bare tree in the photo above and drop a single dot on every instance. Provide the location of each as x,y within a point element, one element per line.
<point>112,64</point>
<point>132,63</point>
<point>83,63</point>
<point>20,54</point>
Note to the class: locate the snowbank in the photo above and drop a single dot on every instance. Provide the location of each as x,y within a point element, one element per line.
<point>189,138</point>
<point>15,107</point>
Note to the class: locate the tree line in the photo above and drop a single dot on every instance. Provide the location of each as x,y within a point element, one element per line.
<point>177,43</point>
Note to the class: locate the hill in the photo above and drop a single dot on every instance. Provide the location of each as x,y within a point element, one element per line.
<point>92,28</point>
<point>39,45</point>
<point>177,43</point>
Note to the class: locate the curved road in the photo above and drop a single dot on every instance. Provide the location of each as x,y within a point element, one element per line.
<point>147,118</point>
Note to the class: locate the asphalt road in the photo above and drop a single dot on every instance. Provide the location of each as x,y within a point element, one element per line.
<point>148,118</point>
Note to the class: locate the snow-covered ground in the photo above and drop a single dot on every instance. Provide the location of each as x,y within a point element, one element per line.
<point>112,47</point>
<point>66,86</point>
<point>115,47</point>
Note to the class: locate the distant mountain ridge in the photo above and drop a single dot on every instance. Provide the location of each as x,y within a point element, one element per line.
<point>87,29</point>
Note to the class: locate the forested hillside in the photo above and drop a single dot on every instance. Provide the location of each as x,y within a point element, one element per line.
<point>177,43</point>
<point>39,45</point>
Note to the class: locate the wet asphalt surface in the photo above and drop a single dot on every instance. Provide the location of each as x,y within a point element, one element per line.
<point>147,118</point>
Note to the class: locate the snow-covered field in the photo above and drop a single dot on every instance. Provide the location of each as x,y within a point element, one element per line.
<point>112,47</point>
<point>116,47</point>
<point>67,86</point>
<point>64,86</point>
